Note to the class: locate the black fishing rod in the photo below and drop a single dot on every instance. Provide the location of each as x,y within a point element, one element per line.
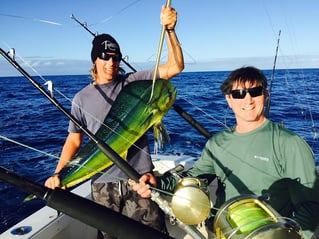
<point>177,108</point>
<point>84,209</point>
<point>267,110</point>
<point>192,121</point>
<point>107,150</point>
<point>84,25</point>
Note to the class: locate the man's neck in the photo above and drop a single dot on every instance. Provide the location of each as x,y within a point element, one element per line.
<point>100,81</point>
<point>245,127</point>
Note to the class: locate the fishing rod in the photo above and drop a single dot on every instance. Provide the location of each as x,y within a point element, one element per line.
<point>90,212</point>
<point>107,150</point>
<point>84,25</point>
<point>272,78</point>
<point>192,121</point>
<point>177,108</point>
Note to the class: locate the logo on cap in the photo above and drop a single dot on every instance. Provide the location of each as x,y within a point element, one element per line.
<point>110,46</point>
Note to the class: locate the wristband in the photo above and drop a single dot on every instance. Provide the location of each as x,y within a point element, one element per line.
<point>170,30</point>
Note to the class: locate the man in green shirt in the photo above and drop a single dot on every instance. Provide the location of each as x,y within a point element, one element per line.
<point>256,157</point>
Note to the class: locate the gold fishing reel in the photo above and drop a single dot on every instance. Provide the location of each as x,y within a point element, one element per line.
<point>248,217</point>
<point>190,202</point>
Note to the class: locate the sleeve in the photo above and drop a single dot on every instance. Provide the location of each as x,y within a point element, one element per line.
<point>140,75</point>
<point>205,164</point>
<point>299,160</point>
<point>304,192</point>
<point>203,169</point>
<point>76,113</point>
<point>167,183</point>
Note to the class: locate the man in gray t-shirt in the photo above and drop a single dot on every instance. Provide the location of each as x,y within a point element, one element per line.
<point>91,105</point>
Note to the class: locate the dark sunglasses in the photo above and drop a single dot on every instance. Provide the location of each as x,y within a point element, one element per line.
<point>254,92</point>
<point>104,56</point>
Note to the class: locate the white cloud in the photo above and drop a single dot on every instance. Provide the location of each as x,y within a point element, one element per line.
<point>47,63</point>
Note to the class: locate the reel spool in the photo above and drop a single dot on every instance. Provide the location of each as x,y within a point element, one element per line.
<point>247,217</point>
<point>190,203</point>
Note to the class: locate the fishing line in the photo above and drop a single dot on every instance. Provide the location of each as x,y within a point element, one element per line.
<point>109,152</point>
<point>297,97</point>
<point>240,224</point>
<point>43,78</point>
<point>53,156</point>
<point>301,108</point>
<point>158,141</point>
<point>46,82</point>
<point>300,104</point>
<point>117,13</point>
<point>189,118</point>
<point>45,153</point>
<point>220,123</point>
<point>57,157</point>
<point>313,126</point>
<point>28,147</point>
<point>308,98</point>
<point>223,124</point>
<point>14,55</point>
<point>48,154</point>
<point>166,193</point>
<point>106,149</point>
<point>263,221</point>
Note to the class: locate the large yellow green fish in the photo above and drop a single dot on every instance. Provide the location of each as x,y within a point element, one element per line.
<point>131,116</point>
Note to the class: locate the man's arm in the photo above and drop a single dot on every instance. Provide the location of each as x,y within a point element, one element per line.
<point>70,147</point>
<point>175,61</point>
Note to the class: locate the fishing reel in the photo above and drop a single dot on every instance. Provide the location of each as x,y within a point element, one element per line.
<point>190,202</point>
<point>249,217</point>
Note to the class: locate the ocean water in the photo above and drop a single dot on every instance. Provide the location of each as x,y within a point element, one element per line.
<point>28,118</point>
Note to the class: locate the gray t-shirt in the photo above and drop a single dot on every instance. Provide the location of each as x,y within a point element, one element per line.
<point>91,105</point>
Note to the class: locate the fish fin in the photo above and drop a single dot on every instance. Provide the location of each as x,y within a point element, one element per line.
<point>29,198</point>
<point>161,137</point>
<point>124,155</point>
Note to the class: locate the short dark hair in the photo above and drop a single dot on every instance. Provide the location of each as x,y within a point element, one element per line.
<point>242,75</point>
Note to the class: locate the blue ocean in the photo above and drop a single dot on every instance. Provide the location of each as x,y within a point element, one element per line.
<point>33,129</point>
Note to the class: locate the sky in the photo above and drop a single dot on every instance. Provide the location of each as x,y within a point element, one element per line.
<point>214,35</point>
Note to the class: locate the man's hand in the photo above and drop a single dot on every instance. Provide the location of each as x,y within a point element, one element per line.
<point>143,186</point>
<point>168,17</point>
<point>53,182</point>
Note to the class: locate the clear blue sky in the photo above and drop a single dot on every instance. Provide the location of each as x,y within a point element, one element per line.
<point>215,35</point>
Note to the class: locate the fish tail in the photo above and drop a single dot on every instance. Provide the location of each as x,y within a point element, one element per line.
<point>161,137</point>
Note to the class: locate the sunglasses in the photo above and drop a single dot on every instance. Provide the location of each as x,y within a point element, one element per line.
<point>254,92</point>
<point>104,56</point>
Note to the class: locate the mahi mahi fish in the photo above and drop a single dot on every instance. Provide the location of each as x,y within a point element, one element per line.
<point>130,117</point>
